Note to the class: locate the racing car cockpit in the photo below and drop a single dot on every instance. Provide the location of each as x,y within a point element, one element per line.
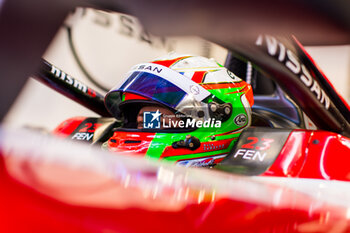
<point>192,111</point>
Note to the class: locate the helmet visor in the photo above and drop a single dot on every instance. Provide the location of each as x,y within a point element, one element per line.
<point>153,87</point>
<point>157,83</point>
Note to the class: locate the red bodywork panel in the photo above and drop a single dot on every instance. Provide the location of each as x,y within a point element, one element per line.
<point>59,187</point>
<point>67,127</point>
<point>24,210</point>
<point>313,154</point>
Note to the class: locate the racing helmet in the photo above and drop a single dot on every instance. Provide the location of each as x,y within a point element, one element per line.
<point>186,109</point>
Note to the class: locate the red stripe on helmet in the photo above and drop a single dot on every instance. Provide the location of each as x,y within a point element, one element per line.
<point>248,91</point>
<point>169,63</point>
<point>199,76</point>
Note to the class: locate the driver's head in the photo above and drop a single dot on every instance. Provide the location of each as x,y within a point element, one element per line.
<point>178,97</point>
<point>193,86</point>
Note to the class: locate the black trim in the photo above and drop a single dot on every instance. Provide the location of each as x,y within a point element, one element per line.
<point>338,102</point>
<point>132,141</point>
<point>268,63</point>
<point>70,88</point>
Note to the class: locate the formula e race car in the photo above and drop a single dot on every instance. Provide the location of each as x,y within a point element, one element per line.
<point>296,125</point>
<point>185,144</point>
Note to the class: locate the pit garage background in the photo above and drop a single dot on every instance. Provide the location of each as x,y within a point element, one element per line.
<point>98,48</point>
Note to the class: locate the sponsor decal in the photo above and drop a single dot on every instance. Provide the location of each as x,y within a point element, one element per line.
<point>218,146</point>
<point>211,146</point>
<point>149,67</point>
<point>276,49</point>
<point>240,119</point>
<point>131,27</point>
<point>152,120</point>
<point>250,154</point>
<point>254,148</point>
<point>194,90</point>
<point>173,77</point>
<point>83,136</point>
<point>120,25</point>
<point>255,151</point>
<point>72,81</point>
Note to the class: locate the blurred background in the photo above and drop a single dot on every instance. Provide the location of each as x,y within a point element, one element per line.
<point>99,47</point>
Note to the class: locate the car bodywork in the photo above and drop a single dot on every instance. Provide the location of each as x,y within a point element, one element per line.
<point>53,186</point>
<point>295,131</point>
